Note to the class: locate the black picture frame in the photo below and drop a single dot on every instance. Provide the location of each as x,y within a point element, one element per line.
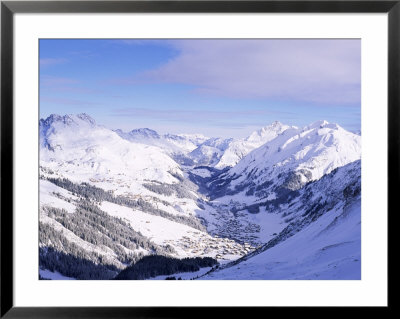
<point>9,8</point>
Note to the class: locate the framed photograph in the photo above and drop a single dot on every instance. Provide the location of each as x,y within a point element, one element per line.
<point>162,155</point>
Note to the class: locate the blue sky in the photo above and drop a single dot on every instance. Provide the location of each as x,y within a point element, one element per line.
<point>224,88</point>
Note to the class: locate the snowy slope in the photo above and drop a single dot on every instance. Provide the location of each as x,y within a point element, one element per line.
<point>187,241</point>
<point>327,249</point>
<point>322,239</point>
<point>54,196</point>
<point>77,148</point>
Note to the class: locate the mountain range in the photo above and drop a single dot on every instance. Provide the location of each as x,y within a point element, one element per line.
<point>282,203</point>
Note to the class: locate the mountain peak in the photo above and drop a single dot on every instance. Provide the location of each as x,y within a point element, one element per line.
<point>267,133</point>
<point>276,123</point>
<point>318,124</point>
<point>144,132</point>
<point>86,118</point>
<point>68,119</point>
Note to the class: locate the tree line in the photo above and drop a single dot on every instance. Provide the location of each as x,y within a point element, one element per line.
<point>152,266</point>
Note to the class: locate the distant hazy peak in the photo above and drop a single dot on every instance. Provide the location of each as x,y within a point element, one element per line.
<point>144,132</point>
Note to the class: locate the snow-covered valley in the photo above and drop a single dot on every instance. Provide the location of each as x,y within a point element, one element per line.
<point>283,203</point>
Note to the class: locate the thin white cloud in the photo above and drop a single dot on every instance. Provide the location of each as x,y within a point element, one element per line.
<point>319,71</point>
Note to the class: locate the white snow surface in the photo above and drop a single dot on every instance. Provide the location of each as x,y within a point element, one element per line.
<point>156,228</point>
<point>329,248</point>
<point>270,224</point>
<point>48,196</point>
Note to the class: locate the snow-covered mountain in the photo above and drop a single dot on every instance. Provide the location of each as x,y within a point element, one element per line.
<point>210,152</point>
<point>112,197</point>
<point>221,153</point>
<point>293,158</point>
<point>79,149</point>
<point>318,236</point>
<point>239,148</point>
<point>196,149</point>
<point>170,143</point>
